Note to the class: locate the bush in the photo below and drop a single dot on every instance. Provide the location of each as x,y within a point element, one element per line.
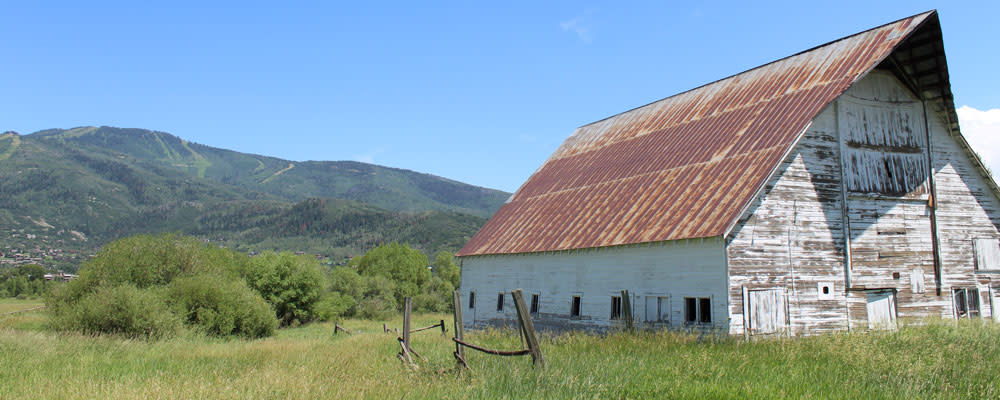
<point>220,306</point>
<point>292,284</point>
<point>128,277</point>
<point>406,267</point>
<point>121,310</point>
<point>147,261</point>
<point>335,305</point>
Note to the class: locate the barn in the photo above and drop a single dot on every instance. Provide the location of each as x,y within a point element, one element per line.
<point>828,190</point>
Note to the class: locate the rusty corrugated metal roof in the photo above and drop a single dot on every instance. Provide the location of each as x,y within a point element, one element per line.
<point>685,166</point>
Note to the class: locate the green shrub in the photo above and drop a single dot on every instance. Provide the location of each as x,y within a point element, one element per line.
<point>406,267</point>
<point>121,310</point>
<point>146,261</point>
<point>446,269</point>
<point>292,284</point>
<point>220,306</point>
<point>437,297</point>
<point>334,305</point>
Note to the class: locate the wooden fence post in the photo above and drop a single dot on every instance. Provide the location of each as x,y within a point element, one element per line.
<point>406,323</point>
<point>627,309</point>
<point>459,328</point>
<point>524,317</point>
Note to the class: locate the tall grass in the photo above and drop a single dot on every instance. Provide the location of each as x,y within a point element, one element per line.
<point>939,360</point>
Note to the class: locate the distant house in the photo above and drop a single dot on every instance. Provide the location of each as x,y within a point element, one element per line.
<point>828,190</point>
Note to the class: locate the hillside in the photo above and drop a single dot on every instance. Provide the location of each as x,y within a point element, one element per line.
<point>64,193</point>
<point>389,188</point>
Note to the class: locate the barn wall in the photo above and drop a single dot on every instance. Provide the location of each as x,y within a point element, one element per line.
<point>866,154</point>
<point>967,209</point>
<point>791,239</point>
<point>673,270</point>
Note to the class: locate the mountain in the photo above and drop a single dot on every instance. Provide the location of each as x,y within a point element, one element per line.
<point>389,188</point>
<point>69,191</point>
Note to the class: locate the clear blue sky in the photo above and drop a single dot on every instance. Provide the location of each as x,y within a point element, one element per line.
<point>473,92</point>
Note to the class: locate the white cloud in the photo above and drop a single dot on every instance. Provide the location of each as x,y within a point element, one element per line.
<point>982,130</point>
<point>368,157</point>
<point>580,26</point>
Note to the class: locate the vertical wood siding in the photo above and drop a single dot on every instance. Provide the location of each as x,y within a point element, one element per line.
<point>674,270</point>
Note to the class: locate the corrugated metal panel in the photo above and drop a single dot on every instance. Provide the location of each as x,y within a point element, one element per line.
<point>685,166</point>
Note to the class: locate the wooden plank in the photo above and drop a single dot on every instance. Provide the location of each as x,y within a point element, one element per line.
<point>406,322</point>
<point>524,317</point>
<point>627,311</point>
<point>459,328</point>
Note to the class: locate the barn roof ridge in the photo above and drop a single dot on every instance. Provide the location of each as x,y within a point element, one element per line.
<point>760,66</point>
<point>688,165</point>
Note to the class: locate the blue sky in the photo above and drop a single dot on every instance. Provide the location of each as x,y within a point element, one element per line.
<point>480,93</point>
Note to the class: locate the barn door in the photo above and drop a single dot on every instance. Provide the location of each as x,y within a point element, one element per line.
<point>881,309</point>
<point>768,311</point>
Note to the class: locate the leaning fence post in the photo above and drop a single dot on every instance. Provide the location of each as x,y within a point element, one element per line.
<point>524,316</point>
<point>459,328</point>
<point>627,308</point>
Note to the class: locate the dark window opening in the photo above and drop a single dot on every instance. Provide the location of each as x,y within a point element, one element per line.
<point>826,290</point>
<point>574,310</point>
<point>697,310</point>
<point>690,310</point>
<point>616,307</point>
<point>705,310</point>
<point>472,299</point>
<point>534,304</point>
<point>499,301</point>
<point>966,303</point>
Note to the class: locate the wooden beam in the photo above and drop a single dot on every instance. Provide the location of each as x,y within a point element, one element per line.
<point>459,328</point>
<point>627,311</point>
<point>406,322</point>
<point>524,317</point>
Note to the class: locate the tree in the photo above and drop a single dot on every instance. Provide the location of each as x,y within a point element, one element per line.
<point>446,269</point>
<point>292,284</point>
<point>405,267</point>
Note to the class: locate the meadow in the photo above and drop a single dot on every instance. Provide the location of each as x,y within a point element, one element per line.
<point>941,359</point>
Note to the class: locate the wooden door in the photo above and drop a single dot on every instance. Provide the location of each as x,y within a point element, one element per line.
<point>768,311</point>
<point>881,309</point>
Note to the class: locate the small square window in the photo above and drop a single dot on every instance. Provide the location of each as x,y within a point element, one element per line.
<point>825,290</point>
<point>574,310</point>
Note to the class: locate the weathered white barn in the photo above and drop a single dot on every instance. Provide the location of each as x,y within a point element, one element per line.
<point>828,190</point>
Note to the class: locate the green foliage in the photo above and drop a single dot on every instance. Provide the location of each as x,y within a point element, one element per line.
<point>221,306</point>
<point>292,284</point>
<point>436,297</point>
<point>24,281</point>
<point>334,305</point>
<point>379,298</point>
<point>200,282</point>
<point>446,269</point>
<point>405,267</point>
<point>147,260</point>
<point>121,310</point>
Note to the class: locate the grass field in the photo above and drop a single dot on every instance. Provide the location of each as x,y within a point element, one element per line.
<point>940,360</point>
